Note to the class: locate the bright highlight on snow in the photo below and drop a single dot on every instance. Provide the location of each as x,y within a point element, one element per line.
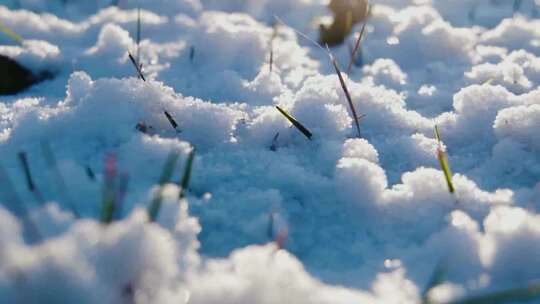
<point>209,151</point>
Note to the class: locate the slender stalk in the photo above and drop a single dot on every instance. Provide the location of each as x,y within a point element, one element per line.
<point>273,147</point>
<point>356,48</point>
<point>166,174</point>
<point>109,189</point>
<point>29,180</point>
<point>346,91</point>
<point>172,121</point>
<point>90,173</point>
<point>274,35</point>
<point>16,206</point>
<point>58,179</point>
<point>120,196</point>
<point>443,161</point>
<point>11,34</point>
<point>137,67</point>
<point>191,53</point>
<point>296,123</point>
<point>139,35</point>
<point>184,182</point>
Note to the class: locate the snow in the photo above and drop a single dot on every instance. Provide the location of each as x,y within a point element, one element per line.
<point>363,220</point>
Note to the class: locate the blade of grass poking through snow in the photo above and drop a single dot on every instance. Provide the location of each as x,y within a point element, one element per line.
<point>6,30</point>
<point>26,169</point>
<point>488,81</point>
<point>29,180</point>
<point>296,123</point>
<point>172,121</point>
<point>274,35</point>
<point>120,196</point>
<point>15,205</point>
<point>90,173</point>
<point>137,67</point>
<point>300,33</point>
<point>184,182</point>
<point>357,45</point>
<point>109,190</point>
<point>273,147</point>
<point>443,161</point>
<point>191,53</point>
<point>338,71</point>
<point>523,294</point>
<point>166,174</point>
<point>356,48</point>
<point>346,91</point>
<point>58,179</point>
<point>138,35</point>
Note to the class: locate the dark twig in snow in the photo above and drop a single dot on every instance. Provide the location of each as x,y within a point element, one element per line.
<point>139,36</point>
<point>274,35</point>
<point>137,67</point>
<point>90,173</point>
<point>29,180</point>
<point>26,169</point>
<point>346,91</point>
<point>172,121</point>
<point>273,147</point>
<point>357,45</point>
<point>356,48</point>
<point>191,53</point>
<point>296,123</point>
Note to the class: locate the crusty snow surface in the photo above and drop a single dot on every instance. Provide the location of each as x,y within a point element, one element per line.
<point>367,219</point>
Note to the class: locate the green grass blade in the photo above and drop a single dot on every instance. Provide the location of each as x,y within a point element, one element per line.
<point>58,179</point>
<point>184,182</point>
<point>109,189</point>
<point>296,123</point>
<point>488,81</point>
<point>186,176</point>
<point>6,30</point>
<point>120,196</point>
<point>166,174</point>
<point>443,162</point>
<point>437,134</point>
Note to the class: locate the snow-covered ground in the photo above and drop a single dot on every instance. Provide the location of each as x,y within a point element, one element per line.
<point>361,220</point>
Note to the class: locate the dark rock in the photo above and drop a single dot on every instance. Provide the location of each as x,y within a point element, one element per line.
<point>15,78</point>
